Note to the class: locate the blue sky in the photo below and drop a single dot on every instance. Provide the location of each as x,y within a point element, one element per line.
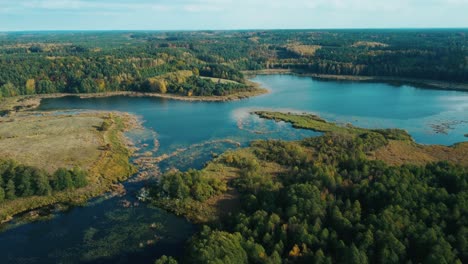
<point>228,14</point>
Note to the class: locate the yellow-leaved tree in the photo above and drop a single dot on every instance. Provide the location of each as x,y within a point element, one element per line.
<point>161,86</point>
<point>30,86</point>
<point>157,85</point>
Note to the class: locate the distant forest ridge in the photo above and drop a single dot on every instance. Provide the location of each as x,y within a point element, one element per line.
<point>102,61</point>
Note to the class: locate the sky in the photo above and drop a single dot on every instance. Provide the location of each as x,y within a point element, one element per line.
<point>20,15</point>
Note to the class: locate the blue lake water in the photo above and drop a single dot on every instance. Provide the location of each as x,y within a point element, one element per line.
<point>363,104</point>
<point>105,232</point>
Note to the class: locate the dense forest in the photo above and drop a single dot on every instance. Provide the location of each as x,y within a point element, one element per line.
<point>328,203</point>
<point>89,62</point>
<point>18,181</point>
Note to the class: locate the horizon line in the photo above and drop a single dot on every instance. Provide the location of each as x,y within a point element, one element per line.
<point>239,29</point>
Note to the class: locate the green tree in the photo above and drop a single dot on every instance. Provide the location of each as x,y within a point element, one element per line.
<point>10,190</point>
<point>23,182</point>
<point>166,260</point>
<point>217,247</point>
<point>41,183</point>
<point>355,256</point>
<point>45,87</point>
<point>62,180</point>
<point>8,89</point>
<point>79,177</point>
<point>2,194</point>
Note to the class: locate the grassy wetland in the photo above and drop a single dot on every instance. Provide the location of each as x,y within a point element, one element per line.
<point>49,141</point>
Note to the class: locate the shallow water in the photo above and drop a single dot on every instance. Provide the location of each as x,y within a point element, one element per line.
<point>104,232</point>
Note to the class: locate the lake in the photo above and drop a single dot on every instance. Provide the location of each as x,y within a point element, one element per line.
<point>105,232</point>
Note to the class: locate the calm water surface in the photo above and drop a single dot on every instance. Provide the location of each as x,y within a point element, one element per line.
<point>105,232</point>
<point>363,104</point>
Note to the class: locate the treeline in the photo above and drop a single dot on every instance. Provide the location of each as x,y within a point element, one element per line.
<point>333,205</point>
<point>18,181</point>
<point>428,54</point>
<point>205,87</point>
<point>106,71</point>
<point>189,83</point>
<point>37,75</point>
<point>110,61</point>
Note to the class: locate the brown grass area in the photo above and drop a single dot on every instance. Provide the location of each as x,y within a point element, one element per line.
<point>371,44</point>
<point>303,50</point>
<point>51,142</point>
<point>17,103</point>
<point>216,80</point>
<point>254,39</point>
<point>402,152</point>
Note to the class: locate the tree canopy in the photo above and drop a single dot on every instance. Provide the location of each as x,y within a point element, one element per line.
<point>115,61</point>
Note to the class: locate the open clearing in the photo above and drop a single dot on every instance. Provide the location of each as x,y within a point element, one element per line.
<point>401,152</point>
<point>216,80</point>
<point>50,142</point>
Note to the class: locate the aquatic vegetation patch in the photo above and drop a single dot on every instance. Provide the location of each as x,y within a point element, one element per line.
<point>119,232</point>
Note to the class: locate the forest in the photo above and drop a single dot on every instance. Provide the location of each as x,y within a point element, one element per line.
<point>90,62</point>
<point>328,203</point>
<point>19,181</point>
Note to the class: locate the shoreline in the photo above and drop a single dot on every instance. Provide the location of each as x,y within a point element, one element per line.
<point>9,105</point>
<point>226,98</point>
<point>399,149</point>
<point>419,83</point>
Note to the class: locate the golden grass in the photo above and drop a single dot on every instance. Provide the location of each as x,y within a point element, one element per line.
<point>216,80</point>
<point>403,152</point>
<point>51,142</point>
<point>303,50</point>
<point>370,44</point>
<point>66,141</point>
<point>18,103</point>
